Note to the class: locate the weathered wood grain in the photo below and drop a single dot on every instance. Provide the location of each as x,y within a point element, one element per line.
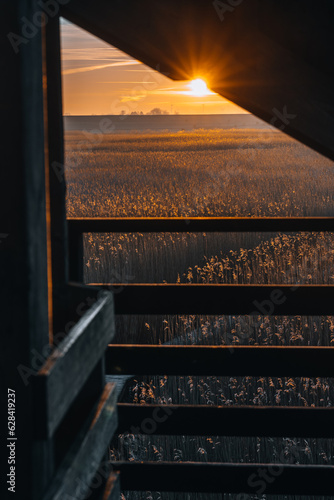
<point>56,171</point>
<point>79,466</point>
<point>74,476</point>
<point>24,291</point>
<point>109,490</point>
<point>68,367</point>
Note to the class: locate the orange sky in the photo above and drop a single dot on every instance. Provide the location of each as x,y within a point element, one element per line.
<point>99,79</point>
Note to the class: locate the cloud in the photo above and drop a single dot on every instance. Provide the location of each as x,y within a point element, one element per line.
<point>128,98</point>
<point>117,82</point>
<point>101,66</point>
<point>93,54</point>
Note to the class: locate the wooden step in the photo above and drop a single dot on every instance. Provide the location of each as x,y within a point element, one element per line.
<point>81,225</point>
<point>205,420</point>
<point>255,300</point>
<point>226,477</point>
<point>272,361</point>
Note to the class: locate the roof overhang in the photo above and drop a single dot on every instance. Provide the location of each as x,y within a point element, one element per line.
<point>271,58</point>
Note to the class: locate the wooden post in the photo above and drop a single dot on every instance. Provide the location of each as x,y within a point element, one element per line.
<point>56,172</point>
<point>24,299</point>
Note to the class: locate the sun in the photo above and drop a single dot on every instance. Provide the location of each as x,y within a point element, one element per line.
<point>199,88</point>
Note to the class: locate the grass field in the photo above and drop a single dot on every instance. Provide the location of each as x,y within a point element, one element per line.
<point>200,173</point>
<point>210,173</point>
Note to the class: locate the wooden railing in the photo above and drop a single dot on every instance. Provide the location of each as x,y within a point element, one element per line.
<point>76,412</point>
<point>219,361</point>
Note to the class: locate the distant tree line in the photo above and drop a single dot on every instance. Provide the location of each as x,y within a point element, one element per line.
<point>154,111</point>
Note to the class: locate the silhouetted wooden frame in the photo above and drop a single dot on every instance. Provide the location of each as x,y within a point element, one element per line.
<point>226,477</point>
<point>68,367</point>
<point>188,420</point>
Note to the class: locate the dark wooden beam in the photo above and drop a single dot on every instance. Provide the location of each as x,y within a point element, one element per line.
<point>200,420</point>
<point>271,58</point>
<point>79,466</point>
<point>76,255</point>
<point>255,300</point>
<point>56,172</point>
<point>226,477</point>
<point>77,226</point>
<point>66,370</point>
<point>110,489</point>
<point>24,296</point>
<point>220,360</point>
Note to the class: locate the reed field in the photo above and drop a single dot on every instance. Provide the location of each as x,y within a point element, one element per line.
<point>209,173</point>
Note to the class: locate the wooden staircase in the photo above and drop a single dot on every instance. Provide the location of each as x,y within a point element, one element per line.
<point>197,420</point>
<point>66,415</point>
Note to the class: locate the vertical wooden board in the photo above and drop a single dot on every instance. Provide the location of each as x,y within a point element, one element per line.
<point>81,463</point>
<point>113,488</point>
<point>56,172</point>
<point>23,266</point>
<point>102,488</point>
<point>65,371</point>
<point>75,249</point>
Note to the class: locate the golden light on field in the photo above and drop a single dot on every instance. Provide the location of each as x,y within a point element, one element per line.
<point>199,88</point>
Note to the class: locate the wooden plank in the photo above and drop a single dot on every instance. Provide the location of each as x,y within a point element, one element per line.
<point>226,477</point>
<point>200,420</point>
<point>56,173</point>
<point>113,487</point>
<point>76,255</point>
<point>199,224</point>
<point>25,317</point>
<point>110,490</point>
<point>254,300</point>
<point>68,367</point>
<point>220,360</point>
<point>76,416</point>
<point>79,466</point>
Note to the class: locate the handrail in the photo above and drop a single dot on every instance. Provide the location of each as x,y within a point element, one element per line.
<point>84,345</point>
